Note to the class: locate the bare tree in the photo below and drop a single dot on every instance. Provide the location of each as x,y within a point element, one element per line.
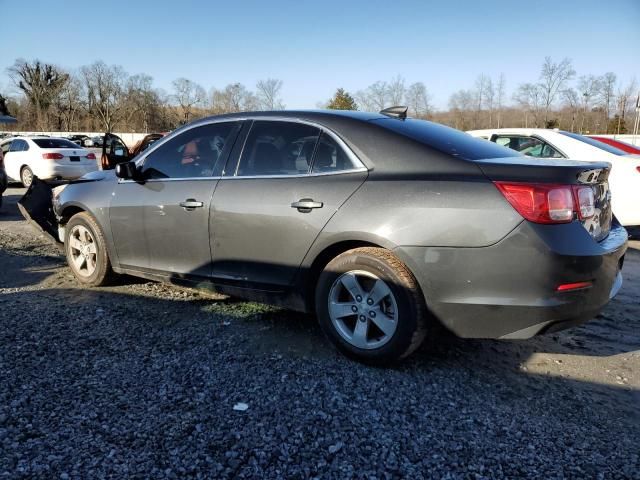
<point>531,98</point>
<point>142,102</point>
<point>188,94</point>
<point>480,91</point>
<point>396,91</point>
<point>374,97</point>
<point>41,83</point>
<point>607,93</point>
<point>500,94</point>
<point>553,79</point>
<point>268,94</point>
<point>418,100</point>
<point>461,103</point>
<point>588,87</point>
<point>105,87</point>
<point>625,101</point>
<point>490,95</point>
<point>70,104</point>
<point>571,100</point>
<point>234,98</point>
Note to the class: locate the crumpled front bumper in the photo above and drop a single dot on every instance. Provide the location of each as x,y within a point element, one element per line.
<point>37,208</point>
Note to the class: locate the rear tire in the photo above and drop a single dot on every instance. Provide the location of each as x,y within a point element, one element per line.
<point>26,177</point>
<point>370,306</point>
<point>86,251</point>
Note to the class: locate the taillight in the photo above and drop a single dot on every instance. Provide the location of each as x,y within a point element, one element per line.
<point>91,156</point>
<point>586,202</point>
<point>549,203</point>
<point>52,156</point>
<point>638,169</point>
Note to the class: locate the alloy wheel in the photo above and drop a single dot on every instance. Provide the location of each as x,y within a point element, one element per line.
<point>363,309</point>
<point>26,177</point>
<point>83,251</point>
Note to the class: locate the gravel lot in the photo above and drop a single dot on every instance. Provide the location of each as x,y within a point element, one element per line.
<point>141,380</point>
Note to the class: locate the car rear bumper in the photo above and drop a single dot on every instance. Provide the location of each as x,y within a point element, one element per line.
<point>509,290</point>
<point>66,172</point>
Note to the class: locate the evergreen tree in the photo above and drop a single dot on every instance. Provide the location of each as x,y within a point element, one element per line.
<point>342,101</point>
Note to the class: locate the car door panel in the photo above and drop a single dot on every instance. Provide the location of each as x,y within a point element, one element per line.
<point>258,237</point>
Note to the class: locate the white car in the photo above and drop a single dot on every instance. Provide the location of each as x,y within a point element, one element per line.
<point>48,158</point>
<point>624,178</point>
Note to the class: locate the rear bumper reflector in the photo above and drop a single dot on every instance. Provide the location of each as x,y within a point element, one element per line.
<point>566,287</point>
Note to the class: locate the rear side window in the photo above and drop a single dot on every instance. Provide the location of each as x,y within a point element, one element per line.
<point>530,146</point>
<point>595,143</point>
<point>278,148</point>
<point>330,157</point>
<point>54,143</point>
<point>445,139</point>
<point>19,146</point>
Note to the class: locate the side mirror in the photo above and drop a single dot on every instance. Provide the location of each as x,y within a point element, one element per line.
<point>126,170</point>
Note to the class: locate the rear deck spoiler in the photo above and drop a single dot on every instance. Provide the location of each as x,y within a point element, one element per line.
<point>37,208</point>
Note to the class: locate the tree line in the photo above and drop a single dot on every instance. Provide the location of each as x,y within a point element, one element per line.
<point>100,97</point>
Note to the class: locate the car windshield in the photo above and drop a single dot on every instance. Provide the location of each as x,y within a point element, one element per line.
<point>595,143</point>
<point>54,143</point>
<point>445,139</point>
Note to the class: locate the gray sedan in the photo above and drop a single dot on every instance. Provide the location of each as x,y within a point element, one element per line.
<point>380,224</point>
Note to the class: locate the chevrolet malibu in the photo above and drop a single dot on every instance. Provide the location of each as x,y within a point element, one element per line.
<point>381,225</point>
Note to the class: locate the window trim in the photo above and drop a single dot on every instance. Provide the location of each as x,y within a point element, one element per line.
<point>360,167</point>
<point>495,136</point>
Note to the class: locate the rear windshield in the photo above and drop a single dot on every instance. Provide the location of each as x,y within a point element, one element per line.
<point>445,139</point>
<point>54,143</point>
<point>595,143</point>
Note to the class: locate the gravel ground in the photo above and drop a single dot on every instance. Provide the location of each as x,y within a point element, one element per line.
<point>147,380</point>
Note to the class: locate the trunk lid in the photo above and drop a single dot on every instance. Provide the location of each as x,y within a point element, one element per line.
<point>71,156</point>
<point>561,172</point>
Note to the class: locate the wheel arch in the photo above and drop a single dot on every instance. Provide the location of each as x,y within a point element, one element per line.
<point>323,257</point>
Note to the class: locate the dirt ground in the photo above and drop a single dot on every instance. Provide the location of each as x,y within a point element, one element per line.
<point>597,364</point>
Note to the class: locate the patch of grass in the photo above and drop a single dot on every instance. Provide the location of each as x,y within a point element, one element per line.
<point>239,309</point>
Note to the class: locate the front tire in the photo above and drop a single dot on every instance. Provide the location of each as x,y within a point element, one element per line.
<point>370,306</point>
<point>86,251</point>
<point>26,177</point>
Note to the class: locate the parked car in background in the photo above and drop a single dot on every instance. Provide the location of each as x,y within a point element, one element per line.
<point>115,151</point>
<point>3,177</point>
<point>558,144</point>
<point>619,144</point>
<point>380,224</point>
<point>82,140</point>
<point>97,141</point>
<point>49,158</point>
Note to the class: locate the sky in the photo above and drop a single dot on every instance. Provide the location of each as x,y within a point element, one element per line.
<point>317,46</point>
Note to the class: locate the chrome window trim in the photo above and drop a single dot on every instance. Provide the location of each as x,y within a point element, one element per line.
<point>352,156</point>
<point>252,177</point>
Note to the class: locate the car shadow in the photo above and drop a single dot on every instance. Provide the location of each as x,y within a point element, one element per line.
<point>9,210</point>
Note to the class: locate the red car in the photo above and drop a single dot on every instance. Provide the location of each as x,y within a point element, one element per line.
<point>624,146</point>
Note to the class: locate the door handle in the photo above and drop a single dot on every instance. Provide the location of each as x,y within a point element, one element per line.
<point>191,204</point>
<point>305,205</point>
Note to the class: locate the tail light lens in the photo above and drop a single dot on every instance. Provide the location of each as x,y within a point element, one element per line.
<point>52,156</point>
<point>91,156</point>
<point>586,202</point>
<point>549,203</point>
